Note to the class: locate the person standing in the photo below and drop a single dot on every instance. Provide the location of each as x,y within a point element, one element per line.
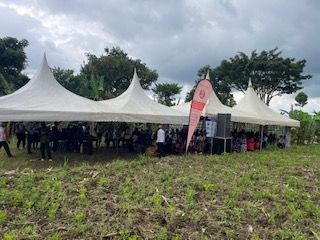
<point>30,135</point>
<point>44,133</point>
<point>55,137</point>
<point>20,131</point>
<point>4,139</point>
<point>160,141</point>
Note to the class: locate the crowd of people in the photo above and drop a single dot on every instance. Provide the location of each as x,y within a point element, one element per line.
<point>79,137</point>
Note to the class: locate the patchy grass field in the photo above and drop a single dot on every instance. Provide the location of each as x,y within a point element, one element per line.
<point>263,195</point>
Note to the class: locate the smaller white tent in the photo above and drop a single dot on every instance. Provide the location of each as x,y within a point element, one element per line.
<point>215,106</point>
<point>134,105</point>
<point>44,99</point>
<point>253,106</point>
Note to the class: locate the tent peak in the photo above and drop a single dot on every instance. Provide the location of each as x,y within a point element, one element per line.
<point>135,77</point>
<point>135,73</point>
<point>249,83</point>
<point>208,75</point>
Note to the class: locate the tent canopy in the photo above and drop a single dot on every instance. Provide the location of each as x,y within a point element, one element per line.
<point>44,99</point>
<point>215,106</point>
<point>253,106</point>
<point>134,105</point>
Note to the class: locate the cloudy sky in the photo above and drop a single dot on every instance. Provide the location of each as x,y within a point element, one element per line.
<point>175,37</point>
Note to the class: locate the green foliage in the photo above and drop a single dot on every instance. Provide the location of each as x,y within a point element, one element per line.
<point>309,127</point>
<point>10,236</point>
<point>71,81</point>
<point>79,217</point>
<point>198,197</point>
<point>115,68</point>
<point>301,99</point>
<point>102,182</point>
<point>3,216</point>
<point>165,92</point>
<point>221,87</point>
<point>53,209</point>
<point>12,61</point>
<point>271,74</point>
<point>83,194</point>
<point>176,237</point>
<point>55,236</point>
<point>17,198</point>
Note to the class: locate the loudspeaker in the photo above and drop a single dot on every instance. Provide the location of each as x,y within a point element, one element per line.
<point>224,125</point>
<point>218,145</point>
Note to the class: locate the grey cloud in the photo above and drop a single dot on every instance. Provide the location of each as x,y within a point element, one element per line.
<point>177,37</point>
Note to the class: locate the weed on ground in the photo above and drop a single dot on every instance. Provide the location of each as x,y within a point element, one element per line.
<point>262,195</point>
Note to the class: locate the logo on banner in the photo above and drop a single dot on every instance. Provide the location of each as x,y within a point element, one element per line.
<point>202,94</point>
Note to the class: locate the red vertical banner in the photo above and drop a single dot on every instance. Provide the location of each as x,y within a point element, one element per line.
<point>200,98</point>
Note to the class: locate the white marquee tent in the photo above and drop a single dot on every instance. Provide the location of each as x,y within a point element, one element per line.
<point>215,106</point>
<point>44,99</point>
<point>253,106</point>
<point>134,105</point>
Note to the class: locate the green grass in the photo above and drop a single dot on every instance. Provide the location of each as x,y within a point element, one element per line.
<point>262,195</point>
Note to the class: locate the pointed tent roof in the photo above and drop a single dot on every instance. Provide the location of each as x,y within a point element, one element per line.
<point>215,106</point>
<point>254,106</point>
<point>134,105</point>
<point>44,99</point>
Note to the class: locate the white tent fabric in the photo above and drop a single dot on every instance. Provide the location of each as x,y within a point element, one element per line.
<point>44,99</point>
<point>134,105</point>
<point>214,106</point>
<point>253,106</point>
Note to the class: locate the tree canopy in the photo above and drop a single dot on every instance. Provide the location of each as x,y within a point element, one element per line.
<point>12,61</point>
<point>116,69</point>
<point>221,88</point>
<point>166,92</point>
<point>271,74</point>
<point>301,99</point>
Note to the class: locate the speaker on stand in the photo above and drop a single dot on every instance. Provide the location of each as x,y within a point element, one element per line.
<point>222,141</point>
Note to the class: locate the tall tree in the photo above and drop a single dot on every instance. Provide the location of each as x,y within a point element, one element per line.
<point>71,81</point>
<point>166,92</point>
<point>301,99</point>
<point>12,61</point>
<point>271,74</point>
<point>116,68</point>
<point>221,87</point>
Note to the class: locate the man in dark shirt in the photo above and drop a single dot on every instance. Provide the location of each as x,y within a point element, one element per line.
<point>44,133</point>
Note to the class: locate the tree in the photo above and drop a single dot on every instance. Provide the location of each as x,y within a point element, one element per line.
<point>71,81</point>
<point>116,68</point>
<point>221,87</point>
<point>166,91</point>
<point>12,61</point>
<point>271,74</point>
<point>301,99</point>
<point>309,126</point>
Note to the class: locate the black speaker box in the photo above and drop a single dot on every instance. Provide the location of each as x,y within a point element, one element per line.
<point>223,125</point>
<point>218,145</point>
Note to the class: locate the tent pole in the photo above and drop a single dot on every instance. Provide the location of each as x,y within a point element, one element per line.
<point>261,136</point>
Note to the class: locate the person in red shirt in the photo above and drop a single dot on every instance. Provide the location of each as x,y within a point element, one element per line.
<point>250,144</point>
